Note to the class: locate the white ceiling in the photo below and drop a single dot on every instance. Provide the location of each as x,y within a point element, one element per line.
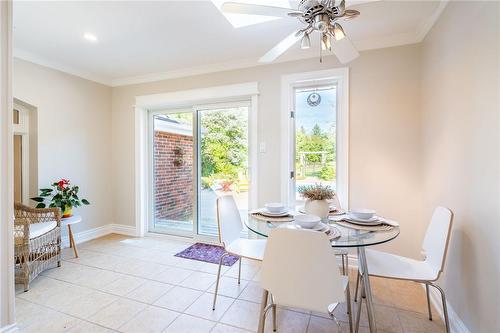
<point>144,41</point>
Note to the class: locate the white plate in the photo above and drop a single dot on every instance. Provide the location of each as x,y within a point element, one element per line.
<point>268,213</point>
<point>320,227</point>
<point>357,219</point>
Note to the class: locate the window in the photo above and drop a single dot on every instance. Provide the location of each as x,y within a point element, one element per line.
<point>315,127</point>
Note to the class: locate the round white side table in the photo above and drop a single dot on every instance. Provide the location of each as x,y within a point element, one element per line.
<point>69,221</point>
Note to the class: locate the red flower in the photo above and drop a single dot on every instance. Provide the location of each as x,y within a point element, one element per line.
<point>62,183</point>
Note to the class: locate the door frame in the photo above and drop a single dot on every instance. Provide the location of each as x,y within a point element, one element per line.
<point>186,99</point>
<point>340,78</point>
<point>23,129</point>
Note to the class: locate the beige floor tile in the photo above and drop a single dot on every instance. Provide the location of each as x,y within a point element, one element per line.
<point>242,314</point>
<point>322,325</point>
<point>123,285</point>
<point>252,292</point>
<point>199,280</point>
<point>413,322</point>
<point>117,313</point>
<point>149,292</point>
<point>222,328</point>
<point>212,268</point>
<point>173,275</point>
<point>229,287</point>
<point>95,278</point>
<point>178,299</point>
<point>386,318</point>
<point>89,304</point>
<point>28,312</point>
<point>189,324</point>
<point>51,322</point>
<point>247,271</point>
<point>150,320</point>
<point>288,321</point>
<point>185,263</point>
<point>85,327</point>
<point>202,307</point>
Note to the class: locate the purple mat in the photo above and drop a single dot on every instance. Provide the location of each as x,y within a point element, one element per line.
<point>207,253</point>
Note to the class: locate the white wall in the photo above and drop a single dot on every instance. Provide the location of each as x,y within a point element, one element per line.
<point>74,134</point>
<point>385,137</point>
<point>461,153</point>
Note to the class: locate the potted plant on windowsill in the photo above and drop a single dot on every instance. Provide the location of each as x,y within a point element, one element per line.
<point>316,199</point>
<point>61,195</point>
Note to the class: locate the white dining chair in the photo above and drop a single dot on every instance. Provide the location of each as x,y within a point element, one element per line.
<point>425,271</point>
<point>299,270</point>
<point>230,227</point>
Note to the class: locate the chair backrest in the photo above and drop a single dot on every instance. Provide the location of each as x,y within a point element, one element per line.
<point>228,220</point>
<point>437,238</point>
<point>299,269</point>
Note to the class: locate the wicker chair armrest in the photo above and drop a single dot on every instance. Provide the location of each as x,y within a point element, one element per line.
<point>25,215</point>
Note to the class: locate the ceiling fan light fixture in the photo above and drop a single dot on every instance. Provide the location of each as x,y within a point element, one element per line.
<point>338,31</point>
<point>305,43</point>
<point>325,42</point>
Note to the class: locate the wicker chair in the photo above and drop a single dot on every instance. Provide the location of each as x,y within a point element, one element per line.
<point>37,234</point>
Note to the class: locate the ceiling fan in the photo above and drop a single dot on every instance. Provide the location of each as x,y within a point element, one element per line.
<point>321,16</point>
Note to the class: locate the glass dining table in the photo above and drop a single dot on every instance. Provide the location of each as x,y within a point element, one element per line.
<point>349,238</point>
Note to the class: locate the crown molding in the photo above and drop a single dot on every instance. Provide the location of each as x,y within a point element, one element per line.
<point>30,57</point>
<point>412,37</point>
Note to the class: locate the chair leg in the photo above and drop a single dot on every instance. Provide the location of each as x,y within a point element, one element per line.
<point>357,285</point>
<point>275,320</point>
<point>239,271</point>
<point>218,278</point>
<point>347,264</point>
<point>349,310</point>
<point>262,315</point>
<point>428,301</point>
<point>343,263</point>
<point>445,308</point>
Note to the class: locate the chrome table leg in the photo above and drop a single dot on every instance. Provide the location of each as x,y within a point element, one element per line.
<point>367,289</point>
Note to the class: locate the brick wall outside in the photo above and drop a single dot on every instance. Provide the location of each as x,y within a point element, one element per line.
<point>173,183</point>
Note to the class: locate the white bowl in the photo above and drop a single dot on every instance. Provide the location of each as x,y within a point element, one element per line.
<point>307,221</point>
<point>275,207</point>
<point>364,214</point>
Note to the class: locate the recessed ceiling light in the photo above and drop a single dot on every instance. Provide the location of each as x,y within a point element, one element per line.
<point>90,37</point>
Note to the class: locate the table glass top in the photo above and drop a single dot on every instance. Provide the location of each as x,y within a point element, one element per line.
<point>349,237</point>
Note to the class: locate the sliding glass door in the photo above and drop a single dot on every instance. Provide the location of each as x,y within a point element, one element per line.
<point>197,154</point>
<point>172,145</point>
<point>222,160</point>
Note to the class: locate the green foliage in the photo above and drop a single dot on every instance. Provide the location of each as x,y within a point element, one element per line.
<point>61,195</point>
<point>327,172</point>
<point>317,140</point>
<point>224,148</point>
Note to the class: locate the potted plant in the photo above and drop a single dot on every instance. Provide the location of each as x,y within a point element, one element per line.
<point>61,195</point>
<point>316,199</point>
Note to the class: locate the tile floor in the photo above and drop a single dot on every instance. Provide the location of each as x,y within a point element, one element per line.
<point>123,284</point>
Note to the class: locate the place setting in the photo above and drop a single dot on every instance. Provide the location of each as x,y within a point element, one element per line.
<point>273,212</point>
<point>314,223</point>
<point>364,219</point>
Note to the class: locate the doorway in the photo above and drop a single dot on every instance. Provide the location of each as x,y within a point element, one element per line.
<point>196,155</point>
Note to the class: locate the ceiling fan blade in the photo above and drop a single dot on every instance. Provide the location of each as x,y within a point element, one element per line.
<point>351,3</point>
<point>344,50</point>
<point>281,47</point>
<point>250,9</point>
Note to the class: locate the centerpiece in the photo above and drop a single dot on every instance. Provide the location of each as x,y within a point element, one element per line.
<point>61,195</point>
<point>316,199</point>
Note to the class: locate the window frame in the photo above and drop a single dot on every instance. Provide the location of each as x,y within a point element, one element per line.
<point>289,83</point>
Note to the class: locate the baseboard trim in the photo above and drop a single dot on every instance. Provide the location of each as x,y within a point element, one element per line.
<point>456,324</point>
<point>9,328</point>
<point>90,234</point>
